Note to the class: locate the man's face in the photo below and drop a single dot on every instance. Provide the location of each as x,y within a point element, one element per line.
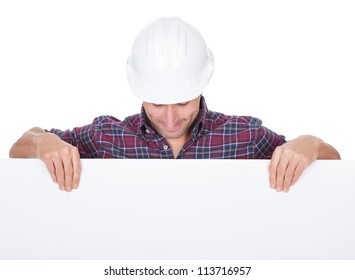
<point>173,121</point>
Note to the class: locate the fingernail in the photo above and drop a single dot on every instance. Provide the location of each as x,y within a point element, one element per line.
<point>278,189</point>
<point>272,186</point>
<point>75,186</point>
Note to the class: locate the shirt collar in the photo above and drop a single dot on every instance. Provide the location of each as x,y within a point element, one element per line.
<point>196,131</point>
<point>145,129</point>
<point>201,119</point>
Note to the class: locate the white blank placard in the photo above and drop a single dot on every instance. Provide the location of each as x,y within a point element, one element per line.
<point>176,209</point>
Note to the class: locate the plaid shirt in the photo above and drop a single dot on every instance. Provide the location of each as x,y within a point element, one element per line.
<point>214,136</point>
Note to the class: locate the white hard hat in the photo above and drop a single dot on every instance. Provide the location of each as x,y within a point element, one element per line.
<point>170,62</point>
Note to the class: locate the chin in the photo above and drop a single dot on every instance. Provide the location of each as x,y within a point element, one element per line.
<point>173,135</point>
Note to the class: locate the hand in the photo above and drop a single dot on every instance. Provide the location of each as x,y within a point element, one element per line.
<point>289,160</point>
<point>61,159</point>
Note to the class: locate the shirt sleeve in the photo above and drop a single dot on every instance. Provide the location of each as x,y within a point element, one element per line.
<point>84,138</point>
<point>266,142</point>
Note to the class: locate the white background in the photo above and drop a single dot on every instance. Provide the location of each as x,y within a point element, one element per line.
<point>290,63</point>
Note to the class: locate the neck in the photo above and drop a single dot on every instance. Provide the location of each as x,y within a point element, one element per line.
<point>177,144</point>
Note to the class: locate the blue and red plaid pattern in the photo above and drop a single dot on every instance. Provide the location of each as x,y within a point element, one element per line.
<point>214,136</point>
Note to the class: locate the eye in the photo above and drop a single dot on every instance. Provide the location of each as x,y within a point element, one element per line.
<point>183,104</point>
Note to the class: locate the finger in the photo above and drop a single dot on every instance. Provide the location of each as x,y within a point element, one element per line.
<point>273,168</point>
<point>68,172</point>
<point>280,174</point>
<point>289,175</point>
<point>297,174</point>
<point>51,169</point>
<point>77,170</point>
<point>59,171</point>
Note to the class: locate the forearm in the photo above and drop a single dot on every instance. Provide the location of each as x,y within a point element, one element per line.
<point>327,151</point>
<point>26,146</point>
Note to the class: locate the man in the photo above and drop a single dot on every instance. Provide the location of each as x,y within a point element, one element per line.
<point>169,67</point>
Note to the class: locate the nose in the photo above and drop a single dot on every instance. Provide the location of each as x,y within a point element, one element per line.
<point>171,115</point>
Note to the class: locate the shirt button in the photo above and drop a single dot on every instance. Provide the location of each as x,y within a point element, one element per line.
<point>147,131</point>
<point>165,147</point>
